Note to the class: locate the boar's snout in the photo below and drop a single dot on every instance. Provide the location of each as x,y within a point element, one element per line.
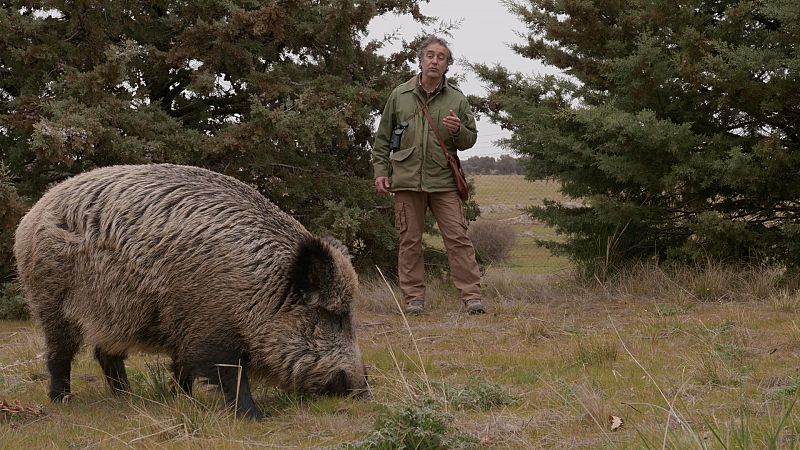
<point>343,383</point>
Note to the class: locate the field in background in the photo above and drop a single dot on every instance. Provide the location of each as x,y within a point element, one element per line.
<point>502,198</point>
<point>512,192</point>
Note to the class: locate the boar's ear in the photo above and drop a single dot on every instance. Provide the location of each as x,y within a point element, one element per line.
<point>313,267</point>
<point>338,245</point>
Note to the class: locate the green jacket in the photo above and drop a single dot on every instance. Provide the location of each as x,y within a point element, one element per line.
<point>420,164</point>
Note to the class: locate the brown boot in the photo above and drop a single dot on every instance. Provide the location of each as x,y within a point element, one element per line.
<point>414,307</point>
<point>474,306</point>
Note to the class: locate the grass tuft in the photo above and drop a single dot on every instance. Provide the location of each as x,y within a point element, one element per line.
<point>153,383</point>
<point>785,301</point>
<point>594,352</point>
<point>416,426</point>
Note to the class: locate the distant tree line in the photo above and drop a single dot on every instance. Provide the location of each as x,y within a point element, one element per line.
<point>488,165</point>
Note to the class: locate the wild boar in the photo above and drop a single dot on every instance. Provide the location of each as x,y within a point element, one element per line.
<point>193,264</point>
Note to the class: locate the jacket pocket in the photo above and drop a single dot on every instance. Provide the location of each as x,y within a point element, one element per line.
<point>400,223</point>
<point>402,155</point>
<point>404,168</point>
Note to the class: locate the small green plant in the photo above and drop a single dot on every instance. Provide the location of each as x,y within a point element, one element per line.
<point>154,383</point>
<point>417,426</point>
<point>786,390</point>
<point>481,396</point>
<point>729,350</point>
<point>722,328</point>
<point>668,309</point>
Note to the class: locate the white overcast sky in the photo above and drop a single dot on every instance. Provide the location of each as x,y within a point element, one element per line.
<point>486,30</point>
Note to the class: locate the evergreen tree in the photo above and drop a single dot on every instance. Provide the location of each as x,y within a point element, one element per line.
<point>12,207</point>
<point>281,94</point>
<point>677,123</point>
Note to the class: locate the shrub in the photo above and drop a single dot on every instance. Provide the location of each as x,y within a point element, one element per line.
<point>492,240</point>
<point>12,208</point>
<point>12,306</point>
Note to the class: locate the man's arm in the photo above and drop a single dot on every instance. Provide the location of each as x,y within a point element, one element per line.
<point>467,134</point>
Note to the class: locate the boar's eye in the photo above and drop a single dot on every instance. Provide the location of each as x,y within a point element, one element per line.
<point>332,319</point>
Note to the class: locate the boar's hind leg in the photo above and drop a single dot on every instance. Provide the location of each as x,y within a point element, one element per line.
<point>114,370</point>
<point>63,341</point>
<point>183,379</point>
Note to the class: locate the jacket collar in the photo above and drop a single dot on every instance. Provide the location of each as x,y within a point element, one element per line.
<point>412,84</point>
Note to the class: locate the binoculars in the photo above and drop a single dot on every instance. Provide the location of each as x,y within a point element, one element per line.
<point>397,133</point>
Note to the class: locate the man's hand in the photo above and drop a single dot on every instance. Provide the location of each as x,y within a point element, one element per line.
<point>382,185</point>
<point>452,123</point>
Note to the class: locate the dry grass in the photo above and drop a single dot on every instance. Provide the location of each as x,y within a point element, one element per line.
<point>700,357</point>
<point>682,368</point>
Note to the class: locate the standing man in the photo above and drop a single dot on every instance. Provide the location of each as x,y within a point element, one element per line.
<point>409,162</point>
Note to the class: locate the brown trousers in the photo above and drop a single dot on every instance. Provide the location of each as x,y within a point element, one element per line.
<point>409,213</point>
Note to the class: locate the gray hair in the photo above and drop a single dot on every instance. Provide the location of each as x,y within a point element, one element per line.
<point>431,39</point>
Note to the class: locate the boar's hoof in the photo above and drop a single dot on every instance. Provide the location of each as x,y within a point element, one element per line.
<point>362,394</point>
<point>63,398</point>
<point>252,413</point>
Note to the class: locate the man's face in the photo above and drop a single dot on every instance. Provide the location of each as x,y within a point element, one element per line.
<point>434,60</point>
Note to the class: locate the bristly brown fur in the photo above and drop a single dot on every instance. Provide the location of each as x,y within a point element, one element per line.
<point>191,263</point>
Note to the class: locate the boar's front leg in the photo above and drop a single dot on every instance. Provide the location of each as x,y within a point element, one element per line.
<point>232,383</point>
<point>113,370</point>
<point>229,370</point>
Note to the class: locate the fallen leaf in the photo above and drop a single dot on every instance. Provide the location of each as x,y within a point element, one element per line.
<point>616,422</point>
